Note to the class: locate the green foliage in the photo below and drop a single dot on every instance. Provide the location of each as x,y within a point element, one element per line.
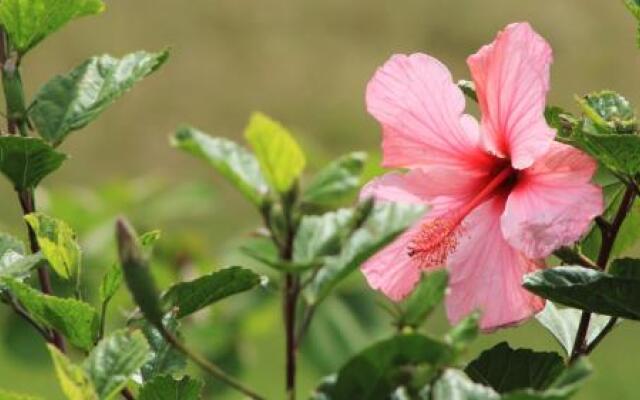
<point>634,8</point>
<point>13,396</point>
<point>165,387</point>
<point>164,359</point>
<point>455,385</point>
<point>189,297</point>
<point>231,160</point>
<point>114,360</point>
<point>321,235</point>
<point>76,320</point>
<point>422,301</point>
<point>26,161</point>
<point>382,226</point>
<point>8,242</point>
<point>336,182</point>
<point>110,283</point>
<point>69,102</point>
<point>136,273</point>
<point>28,22</point>
<point>616,293</point>
<point>16,266</point>
<point>281,159</point>
<point>609,111</point>
<point>57,242</point>
<point>465,332</point>
<point>563,324</point>
<point>74,380</point>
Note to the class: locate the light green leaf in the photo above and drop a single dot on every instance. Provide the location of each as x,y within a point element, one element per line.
<point>25,161</point>
<point>429,293</point>
<point>279,156</point>
<point>57,242</point>
<point>231,160</point>
<point>609,111</point>
<point>13,396</point>
<point>114,360</point>
<point>464,333</point>
<point>74,381</point>
<point>16,266</point>
<point>69,102</point>
<point>149,239</point>
<point>76,320</point>
<point>165,387</point>
<point>28,22</point>
<point>110,283</point>
<point>320,235</point>
<point>336,182</point>
<point>189,297</point>
<point>385,222</point>
<point>8,242</point>
<point>165,359</point>
<point>590,290</point>
<point>634,8</point>
<point>455,385</point>
<point>563,324</point>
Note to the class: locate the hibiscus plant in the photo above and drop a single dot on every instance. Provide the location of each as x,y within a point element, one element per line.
<point>523,213</point>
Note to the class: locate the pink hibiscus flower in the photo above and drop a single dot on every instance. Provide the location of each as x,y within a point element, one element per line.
<point>502,194</point>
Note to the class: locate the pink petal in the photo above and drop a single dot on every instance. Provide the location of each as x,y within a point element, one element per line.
<point>421,112</point>
<point>391,270</point>
<point>553,203</point>
<point>486,273</point>
<point>512,79</point>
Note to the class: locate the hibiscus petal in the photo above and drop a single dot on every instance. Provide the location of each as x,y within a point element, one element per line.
<point>553,203</point>
<point>512,79</point>
<point>391,270</point>
<point>486,273</point>
<point>421,111</point>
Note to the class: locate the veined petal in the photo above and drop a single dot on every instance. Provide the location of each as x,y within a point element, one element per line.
<point>421,112</point>
<point>553,203</point>
<point>512,79</point>
<point>486,273</point>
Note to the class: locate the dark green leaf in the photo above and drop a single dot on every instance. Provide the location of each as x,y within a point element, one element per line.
<point>165,359</point>
<point>76,320</point>
<point>469,89</point>
<point>114,360</point>
<point>563,324</point>
<point>28,22</point>
<point>167,388</point>
<point>336,182</point>
<point>380,369</point>
<point>425,298</point>
<point>57,242</point>
<point>231,160</point>
<point>618,152</point>
<point>69,102</point>
<point>26,161</point>
<point>383,225</point>
<point>320,235</point>
<point>136,273</point>
<point>280,158</point>
<point>189,297</point>
<point>74,380</point>
<point>505,369</point>
<point>589,290</point>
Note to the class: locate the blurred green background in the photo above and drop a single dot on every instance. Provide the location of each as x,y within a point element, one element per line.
<point>305,63</point>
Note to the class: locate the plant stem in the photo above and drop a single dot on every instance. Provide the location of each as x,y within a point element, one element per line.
<point>609,235</point>
<point>290,299</point>
<point>206,365</point>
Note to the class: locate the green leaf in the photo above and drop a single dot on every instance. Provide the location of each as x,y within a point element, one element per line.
<point>16,266</point>
<point>110,283</point>
<point>28,22</point>
<point>70,102</point>
<point>149,239</point>
<point>586,289</point>
<point>165,359</point>
<point>280,158</point>
<point>74,381</point>
<point>231,160</point>
<point>13,396</point>
<point>562,388</point>
<point>76,320</point>
<point>634,8</point>
<point>381,368</point>
<point>114,360</point>
<point>618,152</point>
<point>8,242</point>
<point>464,333</point>
<point>136,273</point>
<point>385,222</point>
<point>25,161</point>
<point>609,111</point>
<point>57,242</point>
<point>336,182</point>
<point>429,293</point>
<point>505,369</point>
<point>320,235</point>
<point>455,385</point>
<point>165,387</point>
<point>189,297</point>
<point>563,324</point>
